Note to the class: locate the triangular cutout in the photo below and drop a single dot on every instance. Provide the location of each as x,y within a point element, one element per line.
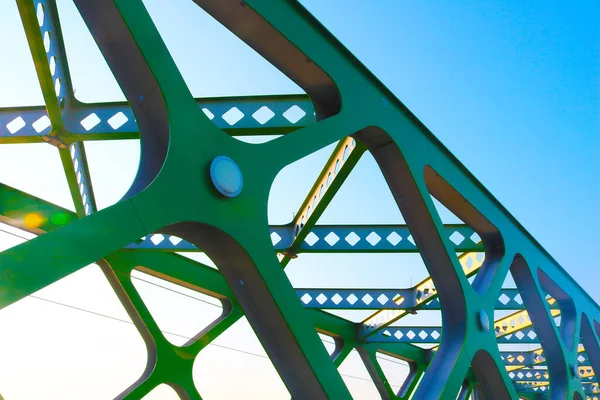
<point>357,379</point>
<point>512,324</point>
<point>180,313</point>
<point>231,68</point>
<point>237,356</point>
<point>162,392</point>
<point>383,252</point>
<point>355,201</point>
<point>395,370</point>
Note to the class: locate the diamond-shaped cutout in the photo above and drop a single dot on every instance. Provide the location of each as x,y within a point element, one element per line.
<point>435,335</point>
<point>504,299</point>
<point>457,238</point>
<point>475,238</point>
<point>332,238</point>
<point>311,239</point>
<point>306,298</point>
<point>394,238</point>
<point>233,116</point>
<point>321,298</point>
<point>336,298</point>
<point>275,238</point>
<point>580,358</point>
<point>518,299</point>
<point>373,238</point>
<point>157,238</point>
<point>207,112</point>
<point>175,240</point>
<point>398,335</point>
<point>15,125</point>
<point>386,333</point>
<point>41,124</point>
<point>90,121</point>
<point>263,115</point>
<point>294,114</point>
<point>469,262</point>
<point>367,299</point>
<point>520,335</point>
<point>411,335</point>
<point>410,239</point>
<point>117,120</point>
<point>352,238</point>
<point>531,334</point>
<point>382,299</point>
<point>520,358</point>
<point>351,299</point>
<point>423,335</point>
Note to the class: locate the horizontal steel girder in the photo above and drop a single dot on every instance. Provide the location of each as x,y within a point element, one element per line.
<point>432,334</point>
<point>331,239</point>
<point>238,116</point>
<point>389,299</point>
<point>541,375</point>
<point>15,203</point>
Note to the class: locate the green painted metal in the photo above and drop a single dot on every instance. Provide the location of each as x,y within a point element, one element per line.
<point>179,140</point>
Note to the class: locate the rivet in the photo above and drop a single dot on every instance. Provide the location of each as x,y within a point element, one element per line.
<point>226,176</point>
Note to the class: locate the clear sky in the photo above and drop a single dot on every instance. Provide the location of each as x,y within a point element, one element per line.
<point>512,89</point>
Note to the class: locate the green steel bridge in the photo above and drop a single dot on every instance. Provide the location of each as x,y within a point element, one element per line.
<point>186,139</point>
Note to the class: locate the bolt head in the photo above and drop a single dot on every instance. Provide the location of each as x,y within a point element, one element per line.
<point>226,176</point>
<point>484,321</point>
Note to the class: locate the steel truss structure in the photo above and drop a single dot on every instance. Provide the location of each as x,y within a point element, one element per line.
<point>198,188</point>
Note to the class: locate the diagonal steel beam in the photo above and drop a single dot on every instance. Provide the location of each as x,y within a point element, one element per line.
<point>470,262</point>
<point>42,28</point>
<point>341,162</point>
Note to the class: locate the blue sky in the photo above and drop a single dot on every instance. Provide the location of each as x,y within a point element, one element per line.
<point>511,89</point>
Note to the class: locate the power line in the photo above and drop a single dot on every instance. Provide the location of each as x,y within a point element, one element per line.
<point>172,333</point>
<point>176,291</point>
<point>14,234</point>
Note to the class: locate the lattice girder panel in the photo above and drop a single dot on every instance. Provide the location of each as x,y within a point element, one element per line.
<point>226,215</point>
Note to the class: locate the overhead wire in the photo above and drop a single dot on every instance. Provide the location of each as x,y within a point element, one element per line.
<point>98,314</point>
